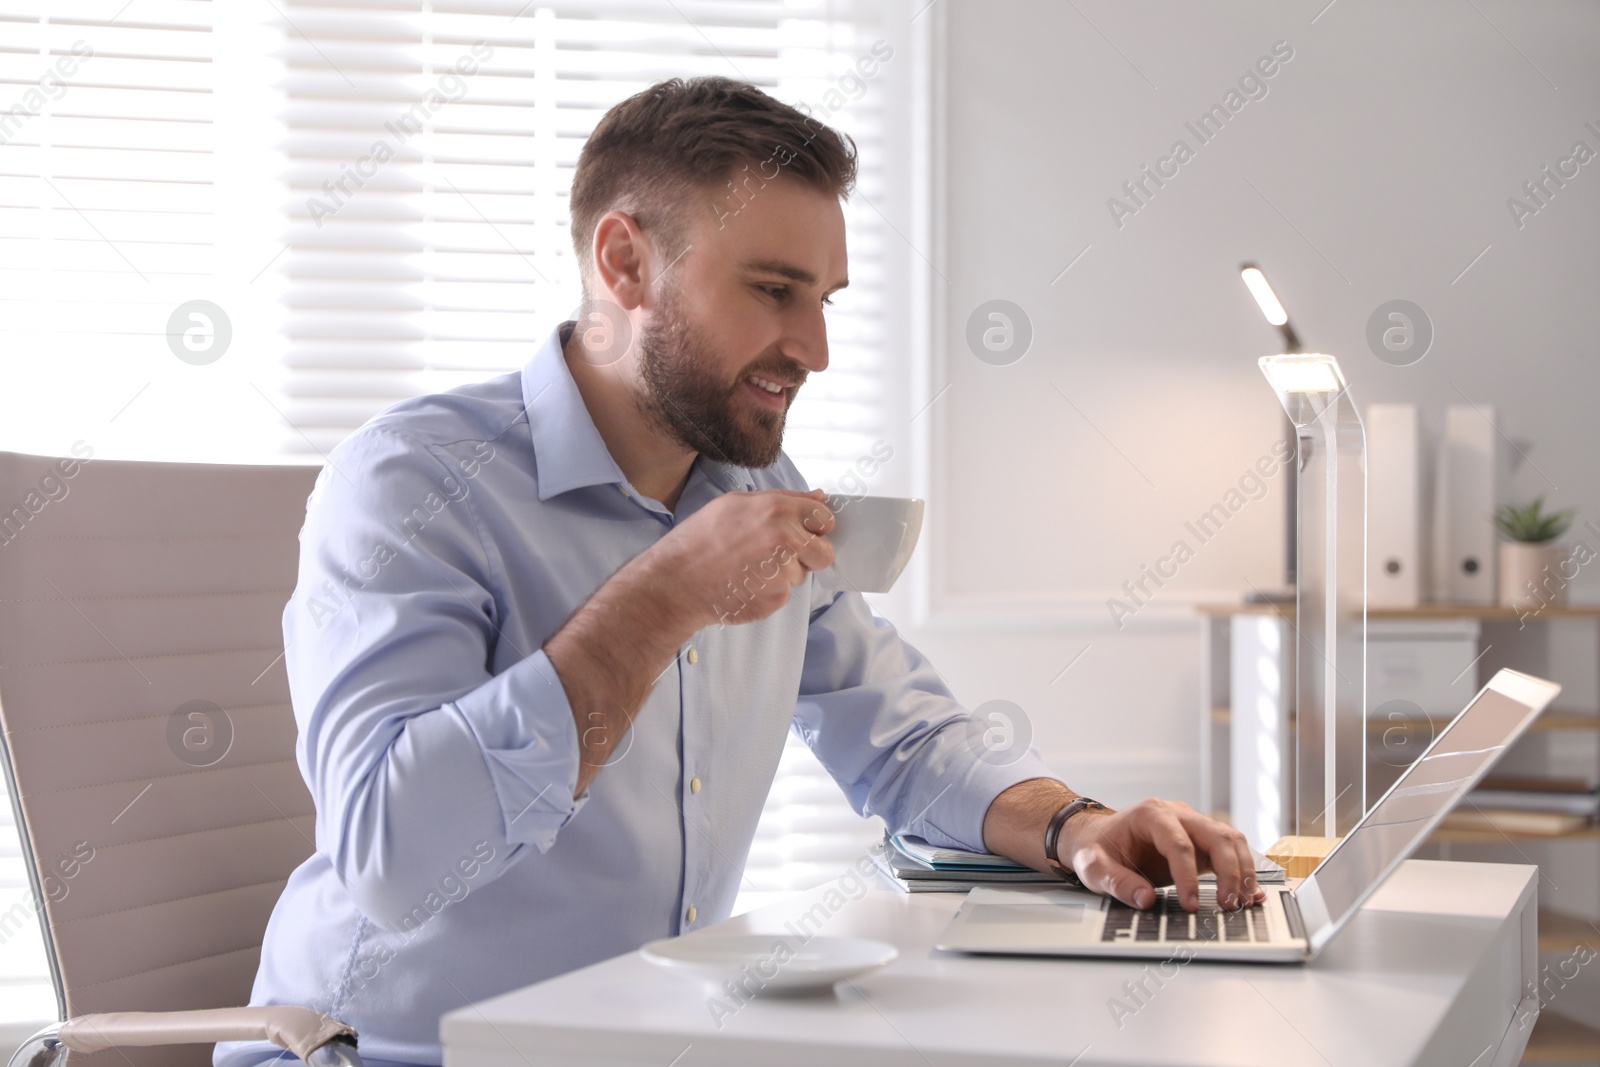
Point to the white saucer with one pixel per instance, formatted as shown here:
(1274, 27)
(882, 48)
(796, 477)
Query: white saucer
(770, 962)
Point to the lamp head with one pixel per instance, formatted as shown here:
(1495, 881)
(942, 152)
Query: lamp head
(1269, 303)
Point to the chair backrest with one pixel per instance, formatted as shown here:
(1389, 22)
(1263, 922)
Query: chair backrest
(148, 736)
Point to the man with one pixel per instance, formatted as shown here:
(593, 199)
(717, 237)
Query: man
(551, 630)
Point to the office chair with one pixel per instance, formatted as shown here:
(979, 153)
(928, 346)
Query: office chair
(149, 749)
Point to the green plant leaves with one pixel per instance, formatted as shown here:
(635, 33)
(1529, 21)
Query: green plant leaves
(1530, 523)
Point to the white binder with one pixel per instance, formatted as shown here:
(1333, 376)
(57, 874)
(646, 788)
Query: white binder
(1394, 532)
(1463, 522)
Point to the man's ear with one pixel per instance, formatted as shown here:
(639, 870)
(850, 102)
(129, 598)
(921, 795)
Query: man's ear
(624, 259)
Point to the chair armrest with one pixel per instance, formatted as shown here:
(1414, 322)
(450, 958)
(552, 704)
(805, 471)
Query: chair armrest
(316, 1038)
(43, 1049)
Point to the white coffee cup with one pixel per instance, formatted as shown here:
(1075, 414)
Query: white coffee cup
(873, 538)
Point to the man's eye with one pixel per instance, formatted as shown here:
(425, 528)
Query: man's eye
(777, 292)
(827, 301)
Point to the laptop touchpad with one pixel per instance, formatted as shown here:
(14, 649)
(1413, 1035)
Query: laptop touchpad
(1010, 906)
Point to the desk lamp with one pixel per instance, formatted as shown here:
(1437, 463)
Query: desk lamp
(1272, 308)
(1331, 588)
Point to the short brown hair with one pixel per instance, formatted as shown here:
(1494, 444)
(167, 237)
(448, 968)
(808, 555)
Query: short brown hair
(657, 148)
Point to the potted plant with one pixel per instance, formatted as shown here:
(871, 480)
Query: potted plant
(1530, 560)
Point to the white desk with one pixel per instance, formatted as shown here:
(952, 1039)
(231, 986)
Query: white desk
(1430, 972)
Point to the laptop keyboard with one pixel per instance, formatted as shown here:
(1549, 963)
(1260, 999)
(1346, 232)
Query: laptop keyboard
(1166, 921)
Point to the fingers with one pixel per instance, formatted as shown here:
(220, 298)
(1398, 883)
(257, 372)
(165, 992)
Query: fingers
(815, 515)
(1170, 838)
(807, 512)
(1098, 864)
(1156, 838)
(757, 547)
(808, 522)
(1126, 884)
(1224, 860)
(818, 519)
(1252, 892)
(1229, 856)
(814, 555)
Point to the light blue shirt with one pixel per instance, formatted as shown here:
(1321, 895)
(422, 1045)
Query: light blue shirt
(444, 543)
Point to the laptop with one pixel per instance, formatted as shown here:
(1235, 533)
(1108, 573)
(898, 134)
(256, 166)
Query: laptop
(1290, 925)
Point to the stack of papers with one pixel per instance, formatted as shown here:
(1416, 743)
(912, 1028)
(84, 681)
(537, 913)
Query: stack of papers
(918, 867)
(954, 859)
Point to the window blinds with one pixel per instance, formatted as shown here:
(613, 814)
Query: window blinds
(107, 132)
(106, 188)
(133, 182)
(430, 149)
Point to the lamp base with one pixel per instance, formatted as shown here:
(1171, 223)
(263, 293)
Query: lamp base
(1299, 856)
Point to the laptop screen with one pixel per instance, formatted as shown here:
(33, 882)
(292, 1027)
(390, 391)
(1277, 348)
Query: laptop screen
(1397, 825)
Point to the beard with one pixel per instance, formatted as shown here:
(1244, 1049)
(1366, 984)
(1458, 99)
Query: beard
(684, 395)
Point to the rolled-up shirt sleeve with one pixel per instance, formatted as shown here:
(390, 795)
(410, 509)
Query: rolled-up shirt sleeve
(413, 750)
(885, 726)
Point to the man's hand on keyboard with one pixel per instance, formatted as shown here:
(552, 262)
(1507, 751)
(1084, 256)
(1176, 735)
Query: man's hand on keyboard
(1127, 853)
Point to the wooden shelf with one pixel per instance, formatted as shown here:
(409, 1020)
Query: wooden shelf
(1489, 612)
(1566, 720)
(1553, 719)
(1550, 720)
(1560, 932)
(1537, 783)
(1558, 1039)
(1445, 836)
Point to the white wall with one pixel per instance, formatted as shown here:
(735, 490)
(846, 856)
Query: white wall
(1377, 166)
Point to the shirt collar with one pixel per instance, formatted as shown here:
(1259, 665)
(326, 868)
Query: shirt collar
(732, 479)
(567, 445)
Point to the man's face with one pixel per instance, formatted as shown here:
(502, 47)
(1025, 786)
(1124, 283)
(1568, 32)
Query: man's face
(737, 321)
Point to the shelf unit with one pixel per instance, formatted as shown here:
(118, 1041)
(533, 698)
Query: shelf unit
(1521, 641)
(1216, 684)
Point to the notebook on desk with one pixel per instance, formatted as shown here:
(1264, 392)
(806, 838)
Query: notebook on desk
(1290, 925)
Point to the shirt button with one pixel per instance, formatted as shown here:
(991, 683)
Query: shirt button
(690, 914)
(694, 785)
(694, 657)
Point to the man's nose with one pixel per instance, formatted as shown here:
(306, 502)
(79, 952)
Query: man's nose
(807, 344)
